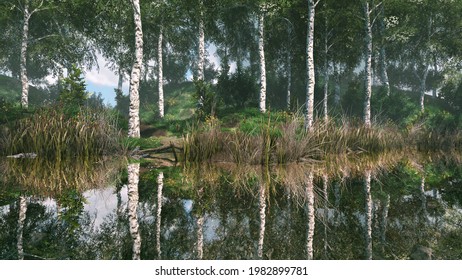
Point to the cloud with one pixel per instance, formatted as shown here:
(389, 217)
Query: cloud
(102, 77)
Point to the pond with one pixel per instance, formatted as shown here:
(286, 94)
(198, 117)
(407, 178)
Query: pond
(386, 207)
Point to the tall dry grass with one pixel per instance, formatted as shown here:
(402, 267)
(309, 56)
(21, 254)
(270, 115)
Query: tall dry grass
(286, 142)
(52, 134)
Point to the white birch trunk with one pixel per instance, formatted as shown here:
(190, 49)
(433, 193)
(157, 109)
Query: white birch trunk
(337, 84)
(384, 224)
(423, 87)
(23, 59)
(311, 217)
(201, 58)
(368, 64)
(160, 186)
(289, 78)
(200, 226)
(262, 208)
(133, 198)
(134, 109)
(261, 51)
(160, 73)
(382, 54)
(325, 192)
(309, 114)
(326, 71)
(21, 220)
(368, 206)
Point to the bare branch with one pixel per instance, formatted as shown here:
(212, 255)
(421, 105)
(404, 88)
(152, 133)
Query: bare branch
(316, 3)
(44, 37)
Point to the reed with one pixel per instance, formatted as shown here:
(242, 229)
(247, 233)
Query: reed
(52, 134)
(287, 141)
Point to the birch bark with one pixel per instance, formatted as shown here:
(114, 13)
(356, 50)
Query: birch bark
(160, 73)
(23, 59)
(134, 109)
(309, 114)
(261, 51)
(368, 64)
(133, 199)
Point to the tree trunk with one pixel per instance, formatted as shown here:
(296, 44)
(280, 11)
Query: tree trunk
(423, 87)
(309, 114)
(134, 109)
(200, 225)
(133, 198)
(261, 51)
(201, 58)
(160, 185)
(160, 73)
(262, 208)
(23, 59)
(382, 54)
(368, 206)
(368, 65)
(20, 232)
(289, 78)
(121, 80)
(311, 217)
(337, 85)
(326, 72)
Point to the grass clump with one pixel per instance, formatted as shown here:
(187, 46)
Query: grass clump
(284, 140)
(54, 134)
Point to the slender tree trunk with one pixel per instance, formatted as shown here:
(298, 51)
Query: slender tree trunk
(120, 80)
(337, 85)
(382, 54)
(261, 51)
(200, 225)
(160, 73)
(160, 185)
(368, 206)
(23, 60)
(20, 232)
(262, 208)
(325, 192)
(423, 88)
(384, 224)
(134, 109)
(289, 78)
(133, 199)
(309, 114)
(311, 217)
(326, 71)
(368, 65)
(201, 58)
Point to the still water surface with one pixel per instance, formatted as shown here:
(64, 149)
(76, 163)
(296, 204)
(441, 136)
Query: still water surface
(394, 209)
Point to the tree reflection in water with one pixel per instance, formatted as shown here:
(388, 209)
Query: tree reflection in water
(133, 199)
(232, 212)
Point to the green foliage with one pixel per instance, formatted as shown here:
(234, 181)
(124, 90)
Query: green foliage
(237, 90)
(207, 99)
(73, 93)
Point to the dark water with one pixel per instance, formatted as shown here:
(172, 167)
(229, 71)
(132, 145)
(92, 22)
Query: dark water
(399, 210)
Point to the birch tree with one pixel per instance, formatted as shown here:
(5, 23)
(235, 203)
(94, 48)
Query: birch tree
(134, 109)
(309, 105)
(261, 53)
(132, 205)
(368, 62)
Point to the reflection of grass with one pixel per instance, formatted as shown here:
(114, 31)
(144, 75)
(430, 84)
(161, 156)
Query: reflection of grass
(50, 178)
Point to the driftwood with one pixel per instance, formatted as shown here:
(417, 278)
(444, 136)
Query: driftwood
(23, 155)
(154, 153)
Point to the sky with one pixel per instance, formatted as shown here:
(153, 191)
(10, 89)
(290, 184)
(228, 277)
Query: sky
(104, 81)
